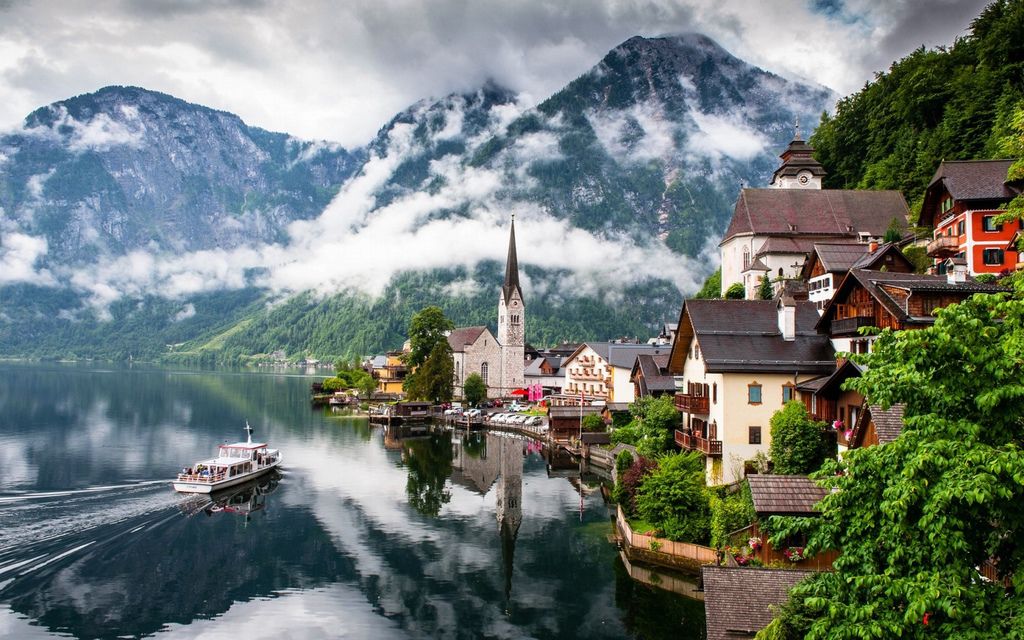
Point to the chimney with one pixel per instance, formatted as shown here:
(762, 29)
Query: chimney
(873, 246)
(787, 318)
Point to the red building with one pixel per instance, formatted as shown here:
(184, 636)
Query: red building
(961, 205)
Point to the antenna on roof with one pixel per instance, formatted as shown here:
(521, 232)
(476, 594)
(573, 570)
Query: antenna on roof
(248, 431)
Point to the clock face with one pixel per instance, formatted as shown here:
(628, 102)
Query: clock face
(804, 179)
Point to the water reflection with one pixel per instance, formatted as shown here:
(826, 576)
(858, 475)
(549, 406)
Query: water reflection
(241, 500)
(418, 532)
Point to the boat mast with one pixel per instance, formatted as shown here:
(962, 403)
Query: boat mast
(248, 431)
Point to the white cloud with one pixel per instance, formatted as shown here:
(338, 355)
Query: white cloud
(328, 71)
(19, 254)
(715, 136)
(185, 313)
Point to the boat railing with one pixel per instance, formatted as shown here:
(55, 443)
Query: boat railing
(195, 477)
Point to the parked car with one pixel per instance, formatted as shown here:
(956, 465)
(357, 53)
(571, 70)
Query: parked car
(453, 412)
(473, 413)
(515, 406)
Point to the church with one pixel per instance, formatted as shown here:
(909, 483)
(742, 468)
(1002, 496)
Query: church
(774, 229)
(499, 361)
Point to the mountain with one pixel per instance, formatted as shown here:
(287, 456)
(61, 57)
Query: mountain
(123, 169)
(174, 230)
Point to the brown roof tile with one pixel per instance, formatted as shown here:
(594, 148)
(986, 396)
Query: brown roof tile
(459, 338)
(737, 600)
(815, 212)
(888, 422)
(974, 179)
(784, 495)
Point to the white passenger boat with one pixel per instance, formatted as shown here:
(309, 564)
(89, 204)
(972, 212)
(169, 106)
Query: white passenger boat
(234, 464)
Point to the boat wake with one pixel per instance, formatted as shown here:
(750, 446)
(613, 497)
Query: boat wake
(38, 530)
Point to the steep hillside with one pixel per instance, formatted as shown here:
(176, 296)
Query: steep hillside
(948, 103)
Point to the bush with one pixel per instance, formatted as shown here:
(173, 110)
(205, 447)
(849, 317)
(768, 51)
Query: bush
(623, 462)
(986, 277)
(330, 385)
(735, 292)
(625, 490)
(593, 423)
(674, 498)
(729, 512)
(798, 443)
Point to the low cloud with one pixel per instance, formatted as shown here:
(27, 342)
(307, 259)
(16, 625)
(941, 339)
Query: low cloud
(715, 136)
(19, 257)
(358, 245)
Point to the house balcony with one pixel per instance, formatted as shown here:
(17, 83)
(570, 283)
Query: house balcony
(944, 247)
(584, 374)
(691, 404)
(850, 325)
(693, 442)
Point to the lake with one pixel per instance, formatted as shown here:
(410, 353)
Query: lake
(365, 532)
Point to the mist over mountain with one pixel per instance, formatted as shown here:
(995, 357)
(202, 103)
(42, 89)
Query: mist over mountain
(137, 223)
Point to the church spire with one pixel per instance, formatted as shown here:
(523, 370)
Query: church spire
(511, 266)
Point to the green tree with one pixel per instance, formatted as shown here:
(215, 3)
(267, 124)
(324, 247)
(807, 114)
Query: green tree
(1013, 147)
(735, 291)
(730, 510)
(673, 498)
(332, 384)
(654, 420)
(474, 389)
(797, 441)
(432, 380)
(764, 289)
(917, 517)
(427, 329)
(894, 232)
(712, 288)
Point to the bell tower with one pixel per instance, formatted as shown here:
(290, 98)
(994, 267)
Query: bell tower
(511, 322)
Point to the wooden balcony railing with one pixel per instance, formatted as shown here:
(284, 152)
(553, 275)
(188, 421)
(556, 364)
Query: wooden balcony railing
(691, 403)
(943, 246)
(693, 442)
(850, 325)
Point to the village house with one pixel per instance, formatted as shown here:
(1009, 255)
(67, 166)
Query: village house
(390, 372)
(773, 230)
(736, 363)
(882, 299)
(546, 371)
(601, 370)
(738, 601)
(651, 377)
(877, 426)
(830, 262)
(961, 205)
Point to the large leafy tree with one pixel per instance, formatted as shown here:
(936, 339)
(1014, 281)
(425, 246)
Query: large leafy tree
(798, 445)
(916, 518)
(427, 329)
(430, 357)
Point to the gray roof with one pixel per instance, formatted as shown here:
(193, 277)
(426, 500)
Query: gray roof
(737, 600)
(974, 179)
(571, 411)
(888, 423)
(823, 213)
(459, 338)
(744, 336)
(784, 495)
(624, 355)
(839, 258)
(654, 369)
(533, 369)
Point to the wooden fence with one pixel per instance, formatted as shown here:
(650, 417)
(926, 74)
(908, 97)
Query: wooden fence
(655, 550)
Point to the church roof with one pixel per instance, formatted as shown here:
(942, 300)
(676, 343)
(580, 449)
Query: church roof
(511, 268)
(819, 213)
(459, 338)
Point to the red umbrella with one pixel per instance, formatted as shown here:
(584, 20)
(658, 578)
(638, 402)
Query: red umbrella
(520, 392)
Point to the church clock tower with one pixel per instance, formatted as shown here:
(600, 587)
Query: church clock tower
(511, 320)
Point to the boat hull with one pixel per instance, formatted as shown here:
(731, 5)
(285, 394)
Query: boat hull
(211, 487)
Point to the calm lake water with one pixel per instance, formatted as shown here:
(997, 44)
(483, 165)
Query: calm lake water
(365, 534)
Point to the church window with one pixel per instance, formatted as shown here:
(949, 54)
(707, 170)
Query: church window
(483, 371)
(746, 258)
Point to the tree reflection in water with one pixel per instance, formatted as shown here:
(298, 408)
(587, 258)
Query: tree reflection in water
(429, 460)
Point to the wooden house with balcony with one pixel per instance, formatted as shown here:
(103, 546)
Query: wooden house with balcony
(830, 262)
(390, 372)
(961, 205)
(890, 300)
(826, 400)
(793, 496)
(736, 362)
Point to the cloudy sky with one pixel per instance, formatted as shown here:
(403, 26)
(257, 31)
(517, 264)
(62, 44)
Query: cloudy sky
(339, 70)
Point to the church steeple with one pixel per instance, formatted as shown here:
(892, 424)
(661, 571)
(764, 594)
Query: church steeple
(511, 266)
(799, 169)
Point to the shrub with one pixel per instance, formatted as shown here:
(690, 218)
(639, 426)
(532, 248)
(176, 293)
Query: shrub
(729, 512)
(593, 423)
(735, 292)
(630, 481)
(674, 498)
(798, 444)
